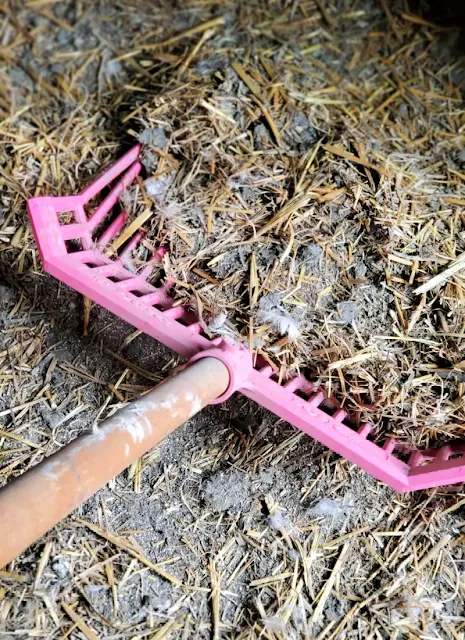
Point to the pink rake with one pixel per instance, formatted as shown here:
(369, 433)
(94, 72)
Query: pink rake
(150, 308)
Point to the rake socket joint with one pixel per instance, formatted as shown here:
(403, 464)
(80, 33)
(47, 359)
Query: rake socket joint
(236, 358)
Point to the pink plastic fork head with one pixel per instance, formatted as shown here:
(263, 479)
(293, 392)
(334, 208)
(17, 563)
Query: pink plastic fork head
(72, 242)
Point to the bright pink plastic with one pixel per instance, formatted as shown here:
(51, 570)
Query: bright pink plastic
(72, 242)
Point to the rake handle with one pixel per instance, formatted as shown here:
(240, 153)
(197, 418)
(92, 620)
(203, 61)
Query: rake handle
(36, 501)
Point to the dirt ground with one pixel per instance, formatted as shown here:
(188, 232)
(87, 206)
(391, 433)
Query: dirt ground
(237, 526)
(235, 497)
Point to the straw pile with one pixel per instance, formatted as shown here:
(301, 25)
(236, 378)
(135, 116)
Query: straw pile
(309, 185)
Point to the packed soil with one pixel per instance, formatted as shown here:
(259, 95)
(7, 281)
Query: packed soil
(304, 167)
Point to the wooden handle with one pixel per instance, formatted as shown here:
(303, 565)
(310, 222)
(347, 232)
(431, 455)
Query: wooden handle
(34, 502)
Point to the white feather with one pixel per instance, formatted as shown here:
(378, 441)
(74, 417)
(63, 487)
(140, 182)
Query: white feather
(271, 311)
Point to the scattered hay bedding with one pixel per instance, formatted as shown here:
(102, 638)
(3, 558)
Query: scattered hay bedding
(305, 172)
(304, 198)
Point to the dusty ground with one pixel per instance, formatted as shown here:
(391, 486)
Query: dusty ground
(234, 496)
(237, 526)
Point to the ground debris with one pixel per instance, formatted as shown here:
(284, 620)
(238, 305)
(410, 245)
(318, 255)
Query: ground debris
(303, 165)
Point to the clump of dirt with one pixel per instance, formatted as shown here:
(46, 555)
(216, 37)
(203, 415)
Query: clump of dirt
(227, 492)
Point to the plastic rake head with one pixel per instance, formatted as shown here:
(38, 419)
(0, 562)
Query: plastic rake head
(72, 240)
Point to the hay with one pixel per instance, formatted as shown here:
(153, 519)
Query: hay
(308, 196)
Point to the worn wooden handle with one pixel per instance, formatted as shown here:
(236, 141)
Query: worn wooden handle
(34, 502)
